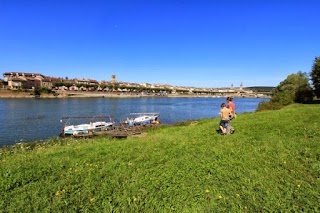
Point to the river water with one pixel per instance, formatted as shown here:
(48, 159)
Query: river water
(24, 120)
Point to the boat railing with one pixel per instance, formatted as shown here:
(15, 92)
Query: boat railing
(145, 113)
(67, 120)
(153, 116)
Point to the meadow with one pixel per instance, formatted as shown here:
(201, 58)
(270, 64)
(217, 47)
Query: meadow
(270, 164)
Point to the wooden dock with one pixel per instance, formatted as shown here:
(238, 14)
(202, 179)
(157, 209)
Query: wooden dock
(122, 131)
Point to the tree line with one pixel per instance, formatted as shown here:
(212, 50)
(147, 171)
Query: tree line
(300, 87)
(138, 89)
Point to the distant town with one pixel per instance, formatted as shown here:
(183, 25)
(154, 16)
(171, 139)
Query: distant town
(20, 81)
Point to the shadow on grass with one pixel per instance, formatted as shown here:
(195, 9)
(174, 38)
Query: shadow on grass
(316, 102)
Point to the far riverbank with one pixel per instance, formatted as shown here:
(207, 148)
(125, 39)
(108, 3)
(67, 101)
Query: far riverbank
(94, 94)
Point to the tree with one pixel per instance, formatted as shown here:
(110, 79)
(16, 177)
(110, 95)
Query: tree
(315, 76)
(294, 89)
(37, 91)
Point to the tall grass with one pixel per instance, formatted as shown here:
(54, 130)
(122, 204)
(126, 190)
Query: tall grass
(270, 164)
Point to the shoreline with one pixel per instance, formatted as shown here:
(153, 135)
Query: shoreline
(70, 94)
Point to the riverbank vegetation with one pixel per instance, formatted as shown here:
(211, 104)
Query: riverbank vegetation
(38, 91)
(296, 88)
(271, 163)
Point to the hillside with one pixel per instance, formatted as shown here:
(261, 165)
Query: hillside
(261, 88)
(271, 163)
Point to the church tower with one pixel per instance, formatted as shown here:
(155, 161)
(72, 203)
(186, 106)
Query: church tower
(113, 79)
(241, 86)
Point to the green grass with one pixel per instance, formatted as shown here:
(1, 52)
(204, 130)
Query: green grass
(270, 164)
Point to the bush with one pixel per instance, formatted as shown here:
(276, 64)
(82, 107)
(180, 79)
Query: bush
(294, 89)
(304, 94)
(268, 106)
(43, 90)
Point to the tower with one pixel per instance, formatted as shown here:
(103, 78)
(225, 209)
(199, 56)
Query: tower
(113, 79)
(241, 86)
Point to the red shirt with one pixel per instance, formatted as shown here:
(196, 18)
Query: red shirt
(231, 106)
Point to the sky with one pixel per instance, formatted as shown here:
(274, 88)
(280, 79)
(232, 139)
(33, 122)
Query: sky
(194, 43)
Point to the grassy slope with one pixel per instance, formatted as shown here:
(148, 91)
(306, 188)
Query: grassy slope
(271, 163)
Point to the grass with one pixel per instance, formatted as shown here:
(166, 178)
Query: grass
(271, 164)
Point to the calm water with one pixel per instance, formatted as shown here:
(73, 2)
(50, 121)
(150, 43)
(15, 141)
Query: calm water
(23, 120)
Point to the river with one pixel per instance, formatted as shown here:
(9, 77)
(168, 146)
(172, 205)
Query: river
(25, 120)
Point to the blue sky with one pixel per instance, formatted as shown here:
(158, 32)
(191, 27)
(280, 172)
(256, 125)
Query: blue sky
(183, 43)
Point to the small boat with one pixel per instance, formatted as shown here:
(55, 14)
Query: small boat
(144, 118)
(86, 128)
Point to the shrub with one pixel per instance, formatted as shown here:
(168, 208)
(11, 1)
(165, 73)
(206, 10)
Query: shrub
(265, 105)
(294, 89)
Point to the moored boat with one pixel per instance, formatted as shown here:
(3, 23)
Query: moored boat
(86, 128)
(144, 118)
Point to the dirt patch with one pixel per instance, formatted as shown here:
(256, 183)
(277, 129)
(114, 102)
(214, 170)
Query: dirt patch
(11, 94)
(141, 135)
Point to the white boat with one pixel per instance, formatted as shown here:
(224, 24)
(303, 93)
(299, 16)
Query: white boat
(144, 118)
(85, 128)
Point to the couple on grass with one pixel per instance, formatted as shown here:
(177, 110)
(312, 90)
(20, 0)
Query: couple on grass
(227, 113)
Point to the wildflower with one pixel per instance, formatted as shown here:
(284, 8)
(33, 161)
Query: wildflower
(207, 191)
(59, 192)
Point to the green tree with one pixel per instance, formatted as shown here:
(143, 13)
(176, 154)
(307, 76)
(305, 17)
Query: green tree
(294, 89)
(315, 76)
(37, 91)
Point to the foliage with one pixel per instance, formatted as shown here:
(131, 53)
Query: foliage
(294, 89)
(266, 166)
(315, 76)
(182, 91)
(261, 89)
(114, 87)
(39, 90)
(59, 84)
(267, 105)
(286, 92)
(304, 94)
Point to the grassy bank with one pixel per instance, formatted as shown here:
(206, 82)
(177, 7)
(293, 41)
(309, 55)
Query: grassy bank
(271, 163)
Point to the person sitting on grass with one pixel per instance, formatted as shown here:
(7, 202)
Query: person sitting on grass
(224, 115)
